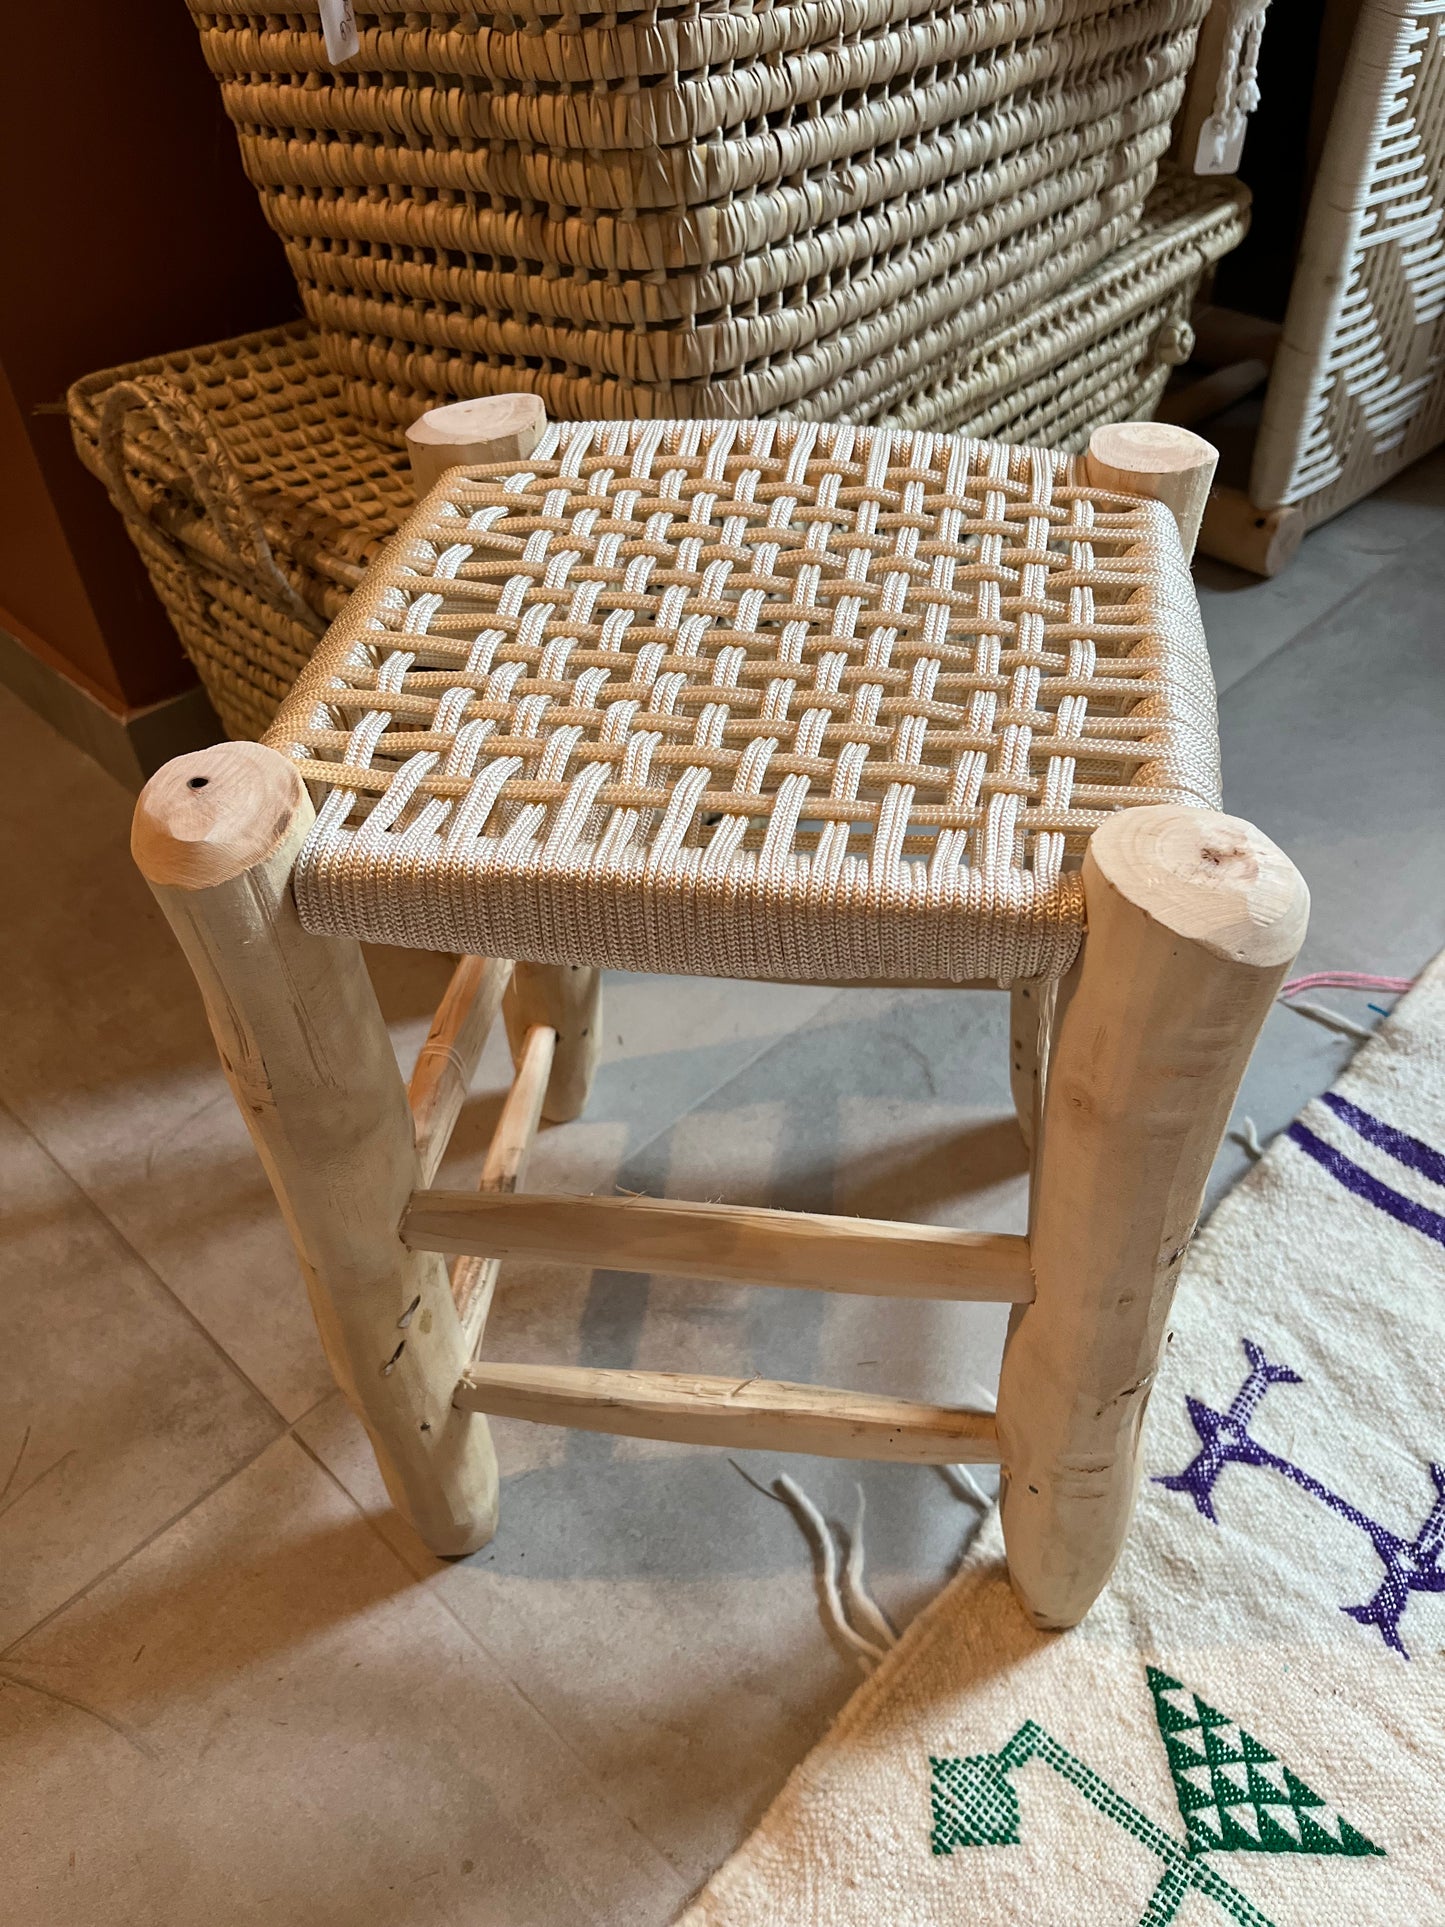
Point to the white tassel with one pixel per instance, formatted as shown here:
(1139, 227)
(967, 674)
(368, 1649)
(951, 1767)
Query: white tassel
(1331, 1019)
(962, 1481)
(826, 1554)
(861, 1604)
(825, 1564)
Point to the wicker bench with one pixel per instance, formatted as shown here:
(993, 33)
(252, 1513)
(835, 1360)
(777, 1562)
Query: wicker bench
(754, 700)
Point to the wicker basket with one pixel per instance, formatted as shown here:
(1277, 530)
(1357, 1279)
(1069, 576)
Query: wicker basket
(687, 210)
(257, 500)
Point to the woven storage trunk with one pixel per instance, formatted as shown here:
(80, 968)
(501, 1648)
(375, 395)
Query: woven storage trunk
(257, 500)
(1357, 391)
(691, 210)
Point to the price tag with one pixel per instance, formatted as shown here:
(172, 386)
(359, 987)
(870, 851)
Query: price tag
(338, 25)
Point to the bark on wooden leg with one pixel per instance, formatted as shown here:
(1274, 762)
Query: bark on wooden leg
(1028, 1008)
(568, 999)
(1193, 919)
(310, 1064)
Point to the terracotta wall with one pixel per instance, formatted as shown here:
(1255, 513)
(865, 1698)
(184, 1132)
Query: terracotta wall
(126, 228)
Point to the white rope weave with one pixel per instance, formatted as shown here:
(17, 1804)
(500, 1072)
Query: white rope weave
(750, 699)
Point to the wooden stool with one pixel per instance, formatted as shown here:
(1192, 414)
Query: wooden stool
(768, 700)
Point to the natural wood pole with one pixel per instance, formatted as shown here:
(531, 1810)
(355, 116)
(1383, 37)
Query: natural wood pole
(1166, 464)
(474, 1278)
(1193, 919)
(750, 1415)
(494, 428)
(310, 1064)
(447, 1060)
(566, 998)
(800, 1250)
(1028, 1006)
(1198, 401)
(1263, 541)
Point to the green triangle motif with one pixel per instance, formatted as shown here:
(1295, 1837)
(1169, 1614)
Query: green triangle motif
(1236, 1796)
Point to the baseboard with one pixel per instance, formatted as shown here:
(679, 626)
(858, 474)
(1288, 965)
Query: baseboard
(129, 744)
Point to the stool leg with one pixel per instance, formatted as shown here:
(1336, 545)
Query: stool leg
(1029, 1004)
(1193, 919)
(568, 999)
(311, 1067)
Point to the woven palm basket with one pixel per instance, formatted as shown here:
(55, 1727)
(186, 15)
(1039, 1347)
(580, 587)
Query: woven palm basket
(690, 210)
(1357, 390)
(256, 499)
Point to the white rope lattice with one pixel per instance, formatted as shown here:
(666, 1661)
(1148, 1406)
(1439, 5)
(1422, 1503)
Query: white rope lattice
(1357, 391)
(750, 699)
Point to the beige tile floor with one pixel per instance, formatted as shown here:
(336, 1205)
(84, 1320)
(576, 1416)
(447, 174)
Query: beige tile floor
(233, 1687)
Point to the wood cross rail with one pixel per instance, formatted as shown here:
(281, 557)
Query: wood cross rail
(740, 1243)
(757, 1414)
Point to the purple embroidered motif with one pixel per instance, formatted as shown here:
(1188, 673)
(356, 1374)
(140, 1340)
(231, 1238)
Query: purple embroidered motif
(1411, 1565)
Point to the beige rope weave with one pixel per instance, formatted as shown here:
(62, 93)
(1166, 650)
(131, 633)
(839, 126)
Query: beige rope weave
(690, 210)
(1357, 391)
(760, 699)
(327, 490)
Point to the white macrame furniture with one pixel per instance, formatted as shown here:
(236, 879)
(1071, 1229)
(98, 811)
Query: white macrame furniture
(1357, 390)
(765, 700)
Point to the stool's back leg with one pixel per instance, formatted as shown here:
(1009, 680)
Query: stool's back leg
(310, 1064)
(568, 999)
(1193, 919)
(1029, 1007)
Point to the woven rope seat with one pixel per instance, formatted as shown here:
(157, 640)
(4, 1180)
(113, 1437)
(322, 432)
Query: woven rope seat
(757, 700)
(692, 210)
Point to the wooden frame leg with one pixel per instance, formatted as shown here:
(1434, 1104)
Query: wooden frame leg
(1193, 919)
(310, 1064)
(1028, 1011)
(565, 998)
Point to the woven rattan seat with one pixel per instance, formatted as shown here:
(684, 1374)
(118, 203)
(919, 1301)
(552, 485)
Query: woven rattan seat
(763, 699)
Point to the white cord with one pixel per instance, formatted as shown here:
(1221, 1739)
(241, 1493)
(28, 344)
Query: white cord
(826, 1565)
(1331, 1019)
(861, 1603)
(962, 1481)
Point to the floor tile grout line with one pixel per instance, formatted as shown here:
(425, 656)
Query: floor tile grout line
(175, 1519)
(504, 1672)
(164, 1284)
(140, 1546)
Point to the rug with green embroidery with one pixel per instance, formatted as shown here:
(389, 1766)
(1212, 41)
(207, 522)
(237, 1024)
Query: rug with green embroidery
(1250, 1725)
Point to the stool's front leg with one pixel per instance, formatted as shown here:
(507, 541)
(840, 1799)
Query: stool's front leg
(1193, 919)
(311, 1066)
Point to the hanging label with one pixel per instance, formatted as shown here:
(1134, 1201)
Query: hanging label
(338, 26)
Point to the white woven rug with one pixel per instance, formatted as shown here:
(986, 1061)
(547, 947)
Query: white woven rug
(1250, 1726)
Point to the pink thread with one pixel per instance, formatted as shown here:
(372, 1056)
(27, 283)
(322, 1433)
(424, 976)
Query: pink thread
(1344, 980)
